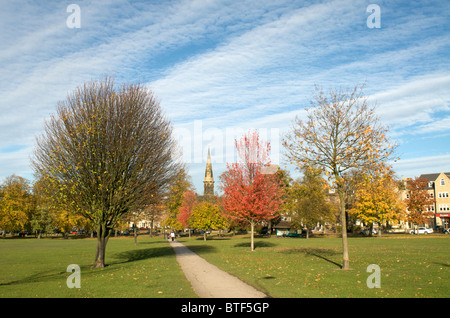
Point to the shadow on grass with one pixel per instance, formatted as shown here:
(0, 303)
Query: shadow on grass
(442, 264)
(142, 254)
(268, 277)
(38, 277)
(148, 253)
(208, 238)
(200, 249)
(256, 244)
(322, 253)
(150, 242)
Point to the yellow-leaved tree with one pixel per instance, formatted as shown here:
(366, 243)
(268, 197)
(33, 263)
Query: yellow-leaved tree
(207, 216)
(378, 200)
(16, 204)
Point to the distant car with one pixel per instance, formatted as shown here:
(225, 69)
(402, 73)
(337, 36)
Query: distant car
(447, 231)
(264, 231)
(367, 232)
(293, 235)
(421, 230)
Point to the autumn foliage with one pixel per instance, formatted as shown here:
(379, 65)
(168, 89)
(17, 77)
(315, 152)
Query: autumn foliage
(419, 201)
(190, 200)
(105, 153)
(341, 132)
(378, 200)
(207, 216)
(249, 194)
(16, 203)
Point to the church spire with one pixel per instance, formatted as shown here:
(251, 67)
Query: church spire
(208, 183)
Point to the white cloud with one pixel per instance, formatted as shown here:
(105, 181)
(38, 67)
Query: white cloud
(414, 102)
(16, 162)
(253, 65)
(414, 167)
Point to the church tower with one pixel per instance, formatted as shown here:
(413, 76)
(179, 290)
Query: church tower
(208, 183)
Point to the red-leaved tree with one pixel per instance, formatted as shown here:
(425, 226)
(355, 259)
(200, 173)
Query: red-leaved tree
(249, 194)
(419, 201)
(190, 200)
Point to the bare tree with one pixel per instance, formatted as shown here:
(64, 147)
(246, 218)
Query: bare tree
(105, 153)
(341, 132)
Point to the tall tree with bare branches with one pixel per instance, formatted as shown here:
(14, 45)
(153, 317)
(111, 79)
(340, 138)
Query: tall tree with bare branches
(106, 152)
(341, 132)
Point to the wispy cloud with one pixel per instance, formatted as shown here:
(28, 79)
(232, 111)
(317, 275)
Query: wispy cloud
(414, 167)
(414, 102)
(229, 64)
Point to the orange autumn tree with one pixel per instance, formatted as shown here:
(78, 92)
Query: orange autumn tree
(250, 195)
(341, 132)
(419, 201)
(190, 200)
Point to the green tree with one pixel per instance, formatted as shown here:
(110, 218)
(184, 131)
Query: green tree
(175, 197)
(51, 214)
(105, 153)
(308, 201)
(43, 219)
(207, 216)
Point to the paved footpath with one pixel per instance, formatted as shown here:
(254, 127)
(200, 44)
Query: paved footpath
(208, 281)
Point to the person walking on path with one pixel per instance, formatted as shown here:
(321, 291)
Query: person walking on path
(208, 281)
(172, 235)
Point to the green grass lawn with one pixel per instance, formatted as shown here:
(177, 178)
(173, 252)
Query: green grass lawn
(37, 268)
(411, 266)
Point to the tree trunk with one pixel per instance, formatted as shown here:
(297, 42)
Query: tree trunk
(345, 258)
(252, 243)
(102, 239)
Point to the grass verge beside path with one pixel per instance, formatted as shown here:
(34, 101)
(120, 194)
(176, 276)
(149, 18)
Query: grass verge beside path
(37, 268)
(411, 266)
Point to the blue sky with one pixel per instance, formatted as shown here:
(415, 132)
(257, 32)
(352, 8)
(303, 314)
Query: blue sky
(220, 68)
